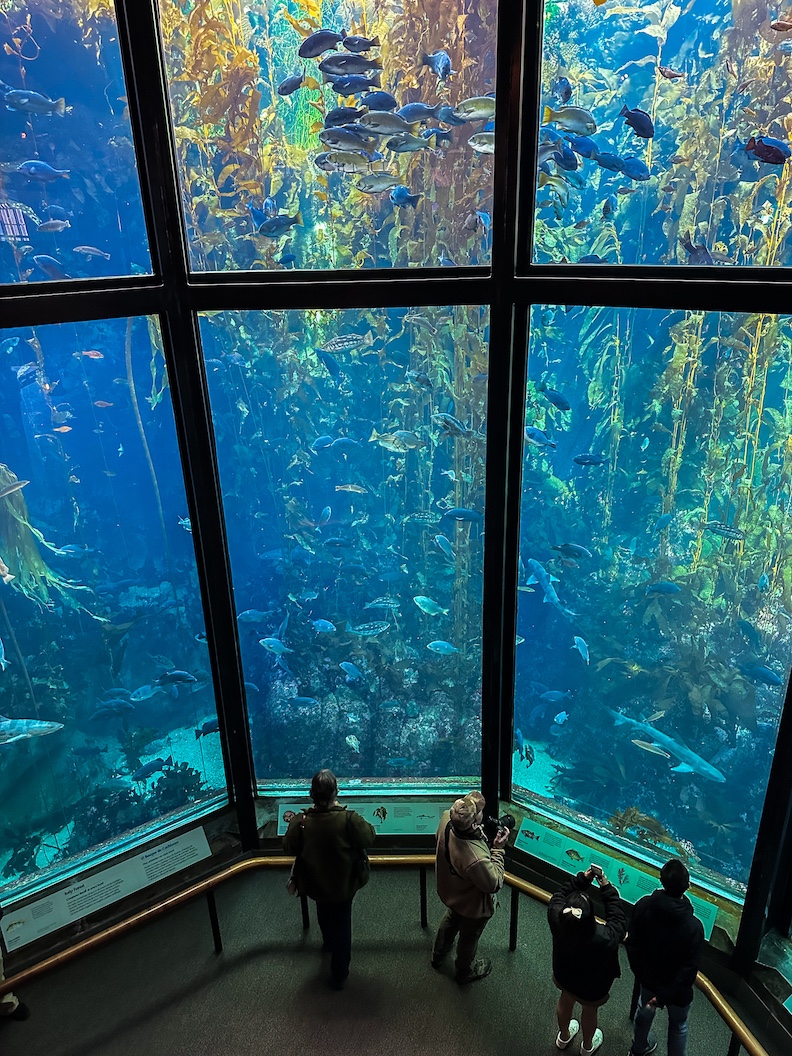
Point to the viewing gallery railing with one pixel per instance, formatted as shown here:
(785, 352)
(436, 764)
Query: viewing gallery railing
(741, 1035)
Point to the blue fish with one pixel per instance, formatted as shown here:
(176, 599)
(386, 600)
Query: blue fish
(317, 43)
(538, 437)
(289, 85)
(663, 522)
(330, 363)
(588, 458)
(583, 146)
(51, 267)
(611, 162)
(448, 115)
(764, 583)
(635, 169)
(354, 84)
(418, 112)
(401, 196)
(323, 626)
(383, 101)
(439, 62)
(353, 674)
(663, 587)
(591, 258)
(760, 673)
(639, 121)
(460, 513)
(210, 726)
(344, 115)
(41, 171)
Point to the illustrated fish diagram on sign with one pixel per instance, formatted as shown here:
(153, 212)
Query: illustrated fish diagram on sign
(338, 136)
(555, 848)
(391, 816)
(664, 136)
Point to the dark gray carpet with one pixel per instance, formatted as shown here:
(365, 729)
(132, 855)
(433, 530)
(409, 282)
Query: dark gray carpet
(163, 991)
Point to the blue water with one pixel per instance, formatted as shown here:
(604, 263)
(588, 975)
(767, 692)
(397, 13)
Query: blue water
(665, 636)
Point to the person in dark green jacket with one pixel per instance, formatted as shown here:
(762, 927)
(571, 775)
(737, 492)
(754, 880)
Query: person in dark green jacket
(330, 841)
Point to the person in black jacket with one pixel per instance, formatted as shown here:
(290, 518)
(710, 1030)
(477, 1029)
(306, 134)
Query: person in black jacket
(330, 841)
(585, 954)
(664, 947)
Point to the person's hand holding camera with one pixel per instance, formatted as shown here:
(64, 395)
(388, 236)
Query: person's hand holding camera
(500, 839)
(594, 872)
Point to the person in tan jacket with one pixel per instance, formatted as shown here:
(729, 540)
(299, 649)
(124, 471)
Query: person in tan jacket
(469, 874)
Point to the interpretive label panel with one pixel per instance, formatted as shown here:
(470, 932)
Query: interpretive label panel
(30, 922)
(392, 817)
(554, 847)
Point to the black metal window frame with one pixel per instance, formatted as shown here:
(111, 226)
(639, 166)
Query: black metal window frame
(509, 287)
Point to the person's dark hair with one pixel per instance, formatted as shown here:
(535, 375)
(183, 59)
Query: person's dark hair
(675, 878)
(324, 788)
(576, 924)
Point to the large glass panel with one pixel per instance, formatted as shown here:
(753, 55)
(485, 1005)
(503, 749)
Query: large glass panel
(352, 453)
(655, 581)
(70, 202)
(664, 135)
(108, 716)
(352, 134)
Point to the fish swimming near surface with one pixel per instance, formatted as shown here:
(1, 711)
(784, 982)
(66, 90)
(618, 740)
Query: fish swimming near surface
(12, 730)
(689, 761)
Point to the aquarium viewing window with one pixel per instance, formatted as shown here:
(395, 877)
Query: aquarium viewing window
(661, 143)
(108, 715)
(70, 205)
(352, 455)
(259, 460)
(312, 135)
(655, 578)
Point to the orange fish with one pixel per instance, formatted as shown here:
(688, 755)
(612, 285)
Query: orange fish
(62, 429)
(102, 404)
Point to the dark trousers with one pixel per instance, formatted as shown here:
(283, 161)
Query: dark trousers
(469, 930)
(335, 922)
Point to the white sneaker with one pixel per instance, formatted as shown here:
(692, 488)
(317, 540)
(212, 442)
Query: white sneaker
(596, 1041)
(574, 1027)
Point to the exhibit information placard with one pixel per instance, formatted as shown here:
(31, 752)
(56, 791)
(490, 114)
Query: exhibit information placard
(30, 922)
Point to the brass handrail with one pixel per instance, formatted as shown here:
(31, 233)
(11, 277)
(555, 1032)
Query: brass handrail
(202, 887)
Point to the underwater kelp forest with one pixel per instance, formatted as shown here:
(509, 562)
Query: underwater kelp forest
(665, 134)
(655, 589)
(70, 203)
(352, 455)
(107, 718)
(340, 134)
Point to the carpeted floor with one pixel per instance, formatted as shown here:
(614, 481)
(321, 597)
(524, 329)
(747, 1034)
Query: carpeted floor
(163, 991)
